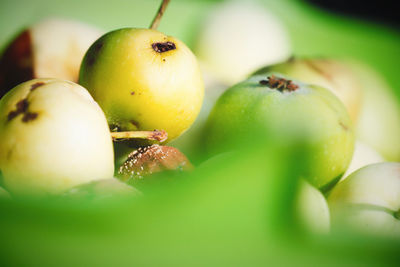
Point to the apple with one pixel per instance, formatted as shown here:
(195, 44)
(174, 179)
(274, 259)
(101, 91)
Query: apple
(312, 209)
(369, 200)
(144, 80)
(332, 74)
(50, 48)
(379, 119)
(293, 111)
(54, 136)
(239, 37)
(363, 155)
(147, 160)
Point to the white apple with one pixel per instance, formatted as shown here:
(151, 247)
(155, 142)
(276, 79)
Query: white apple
(363, 155)
(50, 48)
(238, 38)
(54, 136)
(369, 200)
(312, 209)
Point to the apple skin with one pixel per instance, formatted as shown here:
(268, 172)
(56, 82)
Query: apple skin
(310, 114)
(50, 48)
(239, 37)
(379, 121)
(139, 88)
(312, 209)
(369, 199)
(57, 139)
(331, 74)
(363, 155)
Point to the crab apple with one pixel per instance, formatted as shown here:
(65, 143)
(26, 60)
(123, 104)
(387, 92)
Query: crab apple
(295, 112)
(369, 200)
(50, 48)
(239, 37)
(144, 80)
(331, 74)
(54, 136)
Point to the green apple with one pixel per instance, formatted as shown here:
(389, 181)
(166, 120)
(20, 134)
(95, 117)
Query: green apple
(239, 37)
(50, 48)
(293, 111)
(363, 155)
(379, 122)
(369, 200)
(53, 136)
(312, 209)
(144, 80)
(329, 73)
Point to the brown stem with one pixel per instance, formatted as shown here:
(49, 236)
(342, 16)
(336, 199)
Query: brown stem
(155, 135)
(157, 18)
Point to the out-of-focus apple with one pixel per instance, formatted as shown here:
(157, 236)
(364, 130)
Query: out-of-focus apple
(369, 200)
(54, 136)
(379, 120)
(239, 37)
(363, 155)
(312, 209)
(52, 48)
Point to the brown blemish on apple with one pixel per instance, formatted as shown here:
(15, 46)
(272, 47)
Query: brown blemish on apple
(91, 57)
(36, 85)
(280, 84)
(163, 47)
(344, 126)
(16, 64)
(134, 123)
(132, 93)
(30, 116)
(22, 108)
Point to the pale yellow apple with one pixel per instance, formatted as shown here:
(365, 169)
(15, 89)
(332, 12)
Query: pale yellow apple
(369, 200)
(54, 136)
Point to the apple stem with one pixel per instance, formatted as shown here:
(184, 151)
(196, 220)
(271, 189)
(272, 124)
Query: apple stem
(157, 18)
(155, 135)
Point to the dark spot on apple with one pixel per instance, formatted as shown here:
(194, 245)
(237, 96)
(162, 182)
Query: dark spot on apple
(163, 59)
(30, 116)
(132, 93)
(36, 85)
(163, 47)
(134, 123)
(20, 108)
(264, 82)
(344, 126)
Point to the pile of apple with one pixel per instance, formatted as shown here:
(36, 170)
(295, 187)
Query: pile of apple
(67, 93)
